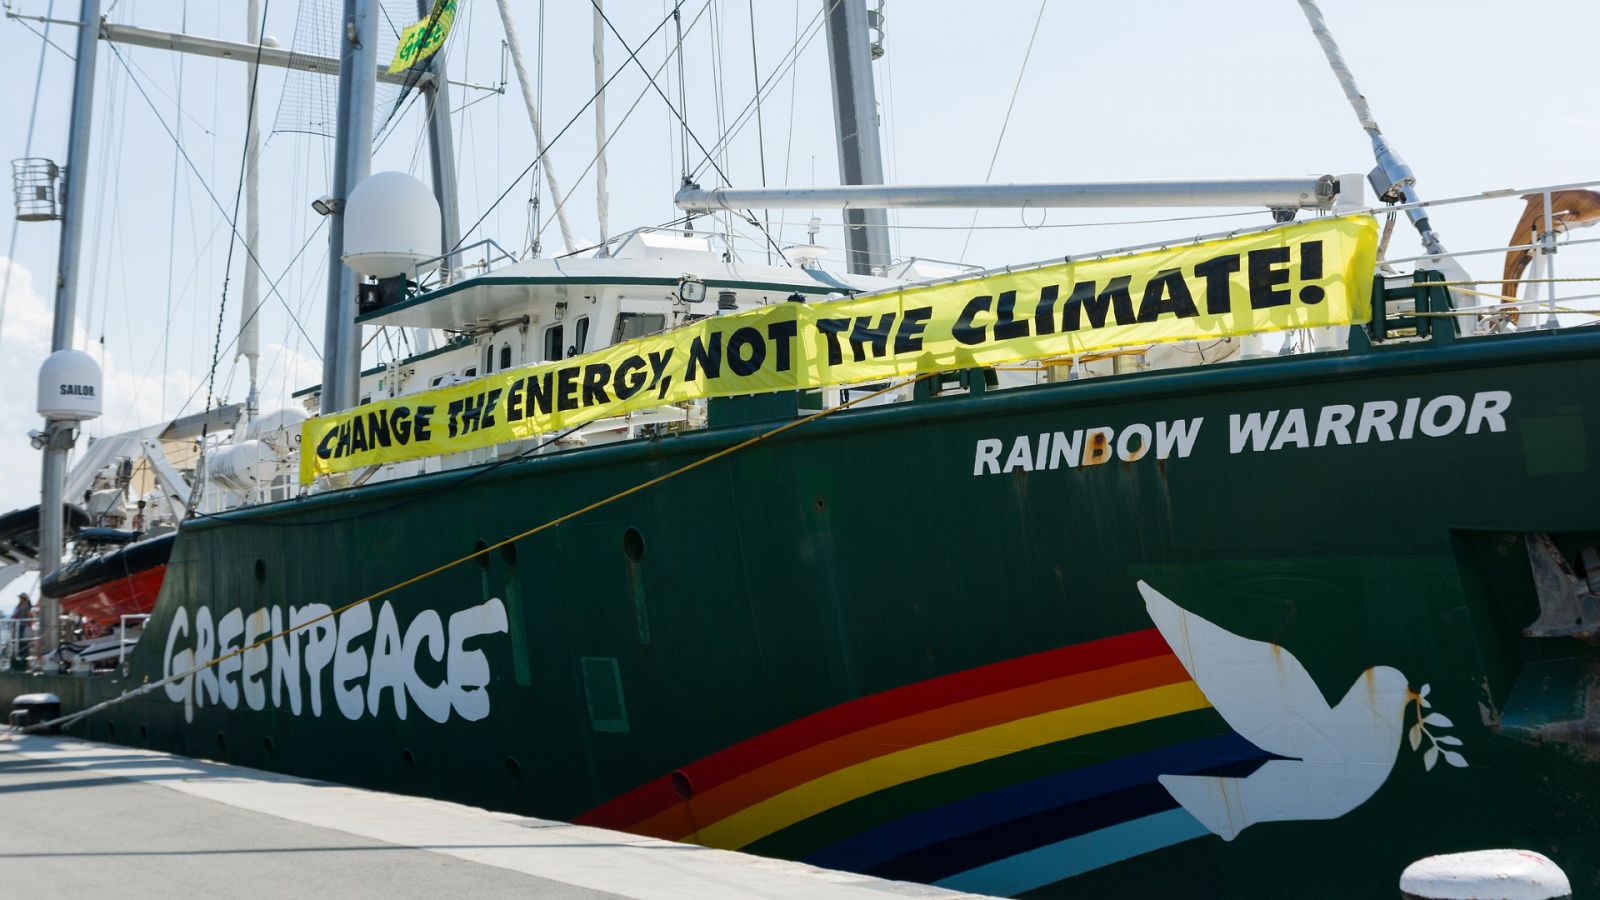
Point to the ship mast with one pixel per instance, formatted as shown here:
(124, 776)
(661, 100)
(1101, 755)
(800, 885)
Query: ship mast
(250, 306)
(442, 159)
(855, 116)
(358, 72)
(352, 162)
(60, 433)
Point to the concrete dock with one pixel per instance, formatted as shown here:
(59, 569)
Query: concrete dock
(78, 816)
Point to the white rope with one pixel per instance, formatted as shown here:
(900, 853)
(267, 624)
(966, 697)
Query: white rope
(601, 199)
(1341, 70)
(515, 47)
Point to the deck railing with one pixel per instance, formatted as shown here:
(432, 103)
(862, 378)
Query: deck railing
(18, 642)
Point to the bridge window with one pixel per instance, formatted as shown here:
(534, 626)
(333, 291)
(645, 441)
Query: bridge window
(552, 343)
(580, 334)
(505, 356)
(632, 324)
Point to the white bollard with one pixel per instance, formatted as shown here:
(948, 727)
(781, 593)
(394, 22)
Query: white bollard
(1485, 875)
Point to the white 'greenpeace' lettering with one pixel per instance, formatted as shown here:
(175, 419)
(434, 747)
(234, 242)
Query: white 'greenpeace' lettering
(363, 680)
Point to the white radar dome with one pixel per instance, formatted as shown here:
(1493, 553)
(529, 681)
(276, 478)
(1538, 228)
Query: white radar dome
(69, 386)
(391, 224)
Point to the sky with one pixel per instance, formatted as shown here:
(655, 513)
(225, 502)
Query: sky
(1111, 91)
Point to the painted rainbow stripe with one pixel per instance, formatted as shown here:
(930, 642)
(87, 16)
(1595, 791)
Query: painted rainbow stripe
(965, 780)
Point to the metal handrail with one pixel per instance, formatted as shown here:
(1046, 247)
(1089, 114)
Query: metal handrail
(1498, 194)
(459, 251)
(1544, 246)
(1484, 252)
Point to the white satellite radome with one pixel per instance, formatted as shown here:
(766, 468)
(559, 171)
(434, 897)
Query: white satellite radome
(69, 386)
(391, 224)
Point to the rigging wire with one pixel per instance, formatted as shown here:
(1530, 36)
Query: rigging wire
(534, 117)
(109, 251)
(633, 57)
(227, 269)
(602, 201)
(891, 131)
(46, 38)
(172, 216)
(788, 146)
(33, 116)
(273, 285)
(643, 92)
(790, 59)
(1000, 139)
(683, 95)
(196, 170)
(155, 85)
(718, 91)
(541, 154)
(536, 186)
(674, 177)
(761, 131)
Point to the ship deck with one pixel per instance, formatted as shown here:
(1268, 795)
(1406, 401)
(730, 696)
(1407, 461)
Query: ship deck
(144, 824)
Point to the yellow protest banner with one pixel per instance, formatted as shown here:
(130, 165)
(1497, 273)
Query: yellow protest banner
(422, 39)
(1307, 275)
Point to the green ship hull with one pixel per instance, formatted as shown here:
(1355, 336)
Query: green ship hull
(1253, 630)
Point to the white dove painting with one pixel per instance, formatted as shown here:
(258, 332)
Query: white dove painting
(1334, 757)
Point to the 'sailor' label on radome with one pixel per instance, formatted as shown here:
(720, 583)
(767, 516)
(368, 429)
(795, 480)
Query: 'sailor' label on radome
(294, 670)
(1255, 432)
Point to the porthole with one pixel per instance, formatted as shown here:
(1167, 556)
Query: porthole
(633, 545)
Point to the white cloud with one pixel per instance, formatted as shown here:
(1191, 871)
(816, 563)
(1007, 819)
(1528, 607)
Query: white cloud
(285, 370)
(24, 344)
(131, 398)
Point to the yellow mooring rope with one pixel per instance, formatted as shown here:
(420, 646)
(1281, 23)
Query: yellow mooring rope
(559, 520)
